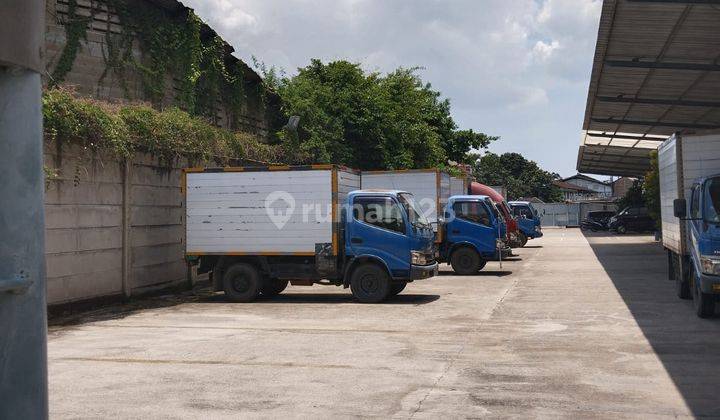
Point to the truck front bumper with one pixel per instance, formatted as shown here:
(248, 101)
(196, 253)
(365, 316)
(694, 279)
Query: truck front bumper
(419, 272)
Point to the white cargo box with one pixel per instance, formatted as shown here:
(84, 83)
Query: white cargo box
(682, 159)
(273, 210)
(458, 185)
(430, 187)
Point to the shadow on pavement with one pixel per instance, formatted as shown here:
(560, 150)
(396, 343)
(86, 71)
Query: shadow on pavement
(689, 347)
(295, 298)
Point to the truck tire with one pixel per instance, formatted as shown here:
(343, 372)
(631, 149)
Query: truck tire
(370, 283)
(273, 287)
(396, 288)
(682, 285)
(704, 303)
(466, 261)
(522, 239)
(241, 282)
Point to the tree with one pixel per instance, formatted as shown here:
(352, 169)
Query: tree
(463, 141)
(369, 120)
(633, 197)
(651, 188)
(521, 177)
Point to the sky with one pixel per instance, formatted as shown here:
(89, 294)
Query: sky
(518, 69)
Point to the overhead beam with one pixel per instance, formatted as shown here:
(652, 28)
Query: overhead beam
(625, 137)
(676, 1)
(663, 65)
(654, 123)
(657, 101)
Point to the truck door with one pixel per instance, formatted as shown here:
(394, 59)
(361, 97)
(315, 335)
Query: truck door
(472, 223)
(379, 228)
(693, 224)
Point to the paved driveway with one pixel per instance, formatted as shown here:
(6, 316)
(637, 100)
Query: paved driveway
(574, 327)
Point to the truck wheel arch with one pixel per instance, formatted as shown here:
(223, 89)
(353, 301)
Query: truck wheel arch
(359, 260)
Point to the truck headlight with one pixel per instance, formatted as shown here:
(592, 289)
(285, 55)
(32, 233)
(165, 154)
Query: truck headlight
(710, 265)
(417, 258)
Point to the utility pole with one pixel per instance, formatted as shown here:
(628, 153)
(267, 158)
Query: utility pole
(23, 319)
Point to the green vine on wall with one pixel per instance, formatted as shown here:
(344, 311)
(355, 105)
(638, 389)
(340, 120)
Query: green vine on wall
(174, 46)
(75, 30)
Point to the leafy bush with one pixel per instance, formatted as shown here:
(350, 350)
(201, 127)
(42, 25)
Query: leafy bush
(170, 134)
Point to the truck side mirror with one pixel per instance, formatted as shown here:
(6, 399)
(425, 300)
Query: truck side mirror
(680, 208)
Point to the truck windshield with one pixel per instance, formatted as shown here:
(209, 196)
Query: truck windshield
(493, 209)
(712, 200)
(415, 215)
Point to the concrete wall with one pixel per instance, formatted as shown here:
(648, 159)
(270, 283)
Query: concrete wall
(100, 227)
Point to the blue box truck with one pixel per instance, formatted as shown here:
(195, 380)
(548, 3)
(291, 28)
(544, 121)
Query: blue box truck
(689, 167)
(528, 221)
(257, 228)
(469, 229)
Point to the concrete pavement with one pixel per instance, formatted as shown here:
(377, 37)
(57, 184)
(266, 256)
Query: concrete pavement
(575, 327)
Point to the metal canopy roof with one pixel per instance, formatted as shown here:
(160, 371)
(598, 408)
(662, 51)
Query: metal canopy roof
(656, 71)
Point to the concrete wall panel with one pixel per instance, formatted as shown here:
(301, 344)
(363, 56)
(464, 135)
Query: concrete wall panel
(84, 226)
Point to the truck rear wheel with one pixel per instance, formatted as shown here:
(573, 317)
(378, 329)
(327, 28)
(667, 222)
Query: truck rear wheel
(241, 282)
(466, 261)
(370, 283)
(682, 285)
(273, 287)
(704, 303)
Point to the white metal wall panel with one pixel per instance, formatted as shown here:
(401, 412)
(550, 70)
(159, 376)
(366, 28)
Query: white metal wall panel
(558, 214)
(422, 185)
(229, 212)
(667, 164)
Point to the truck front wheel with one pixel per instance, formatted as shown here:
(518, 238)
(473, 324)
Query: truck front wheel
(704, 303)
(522, 239)
(370, 283)
(466, 261)
(241, 282)
(396, 288)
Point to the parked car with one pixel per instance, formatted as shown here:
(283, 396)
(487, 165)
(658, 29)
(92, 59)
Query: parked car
(597, 220)
(632, 219)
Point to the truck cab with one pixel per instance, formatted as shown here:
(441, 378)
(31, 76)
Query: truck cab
(528, 221)
(474, 233)
(386, 229)
(701, 216)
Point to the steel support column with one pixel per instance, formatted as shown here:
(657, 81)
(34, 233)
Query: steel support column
(23, 320)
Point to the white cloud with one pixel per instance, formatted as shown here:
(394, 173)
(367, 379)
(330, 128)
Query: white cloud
(518, 69)
(542, 50)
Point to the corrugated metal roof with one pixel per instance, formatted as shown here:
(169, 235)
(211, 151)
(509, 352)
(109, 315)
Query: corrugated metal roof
(656, 71)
